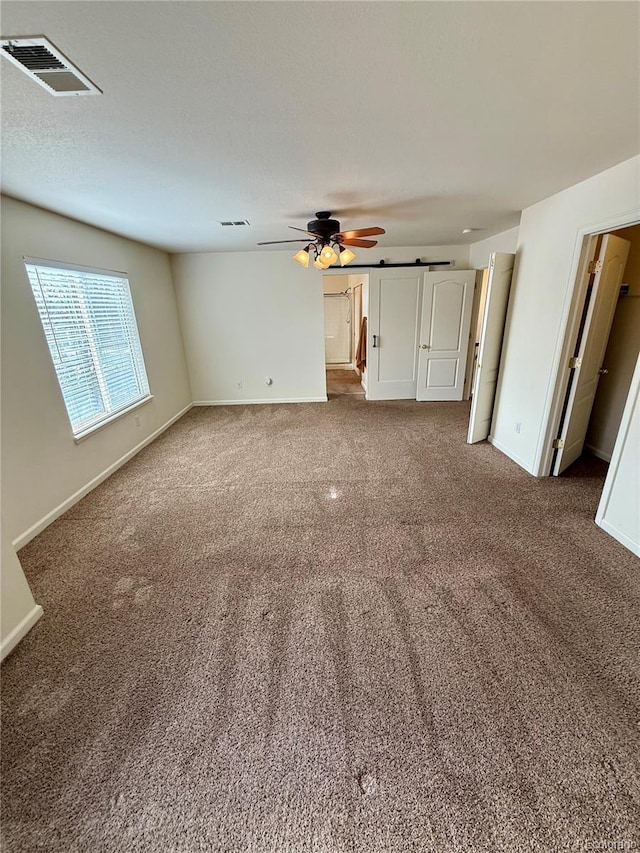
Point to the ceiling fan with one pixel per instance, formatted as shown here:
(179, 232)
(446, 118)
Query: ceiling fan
(329, 243)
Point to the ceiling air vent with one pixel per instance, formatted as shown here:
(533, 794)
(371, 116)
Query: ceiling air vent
(234, 222)
(42, 61)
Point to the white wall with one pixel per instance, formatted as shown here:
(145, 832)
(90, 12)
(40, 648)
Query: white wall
(620, 357)
(335, 283)
(479, 252)
(246, 316)
(549, 245)
(42, 466)
(619, 510)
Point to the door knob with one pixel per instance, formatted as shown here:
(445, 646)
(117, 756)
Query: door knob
(424, 346)
(602, 371)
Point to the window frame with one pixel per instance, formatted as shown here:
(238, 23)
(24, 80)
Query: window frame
(113, 414)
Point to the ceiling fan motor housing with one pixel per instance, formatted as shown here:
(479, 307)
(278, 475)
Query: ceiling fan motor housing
(324, 226)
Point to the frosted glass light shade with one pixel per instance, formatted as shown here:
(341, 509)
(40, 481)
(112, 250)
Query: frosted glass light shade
(302, 257)
(346, 256)
(319, 264)
(329, 255)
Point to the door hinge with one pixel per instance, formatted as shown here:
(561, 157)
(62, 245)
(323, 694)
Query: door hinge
(595, 267)
(558, 443)
(575, 362)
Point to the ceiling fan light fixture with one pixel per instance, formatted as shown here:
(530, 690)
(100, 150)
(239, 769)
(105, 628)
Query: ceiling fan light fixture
(302, 257)
(327, 242)
(346, 256)
(328, 255)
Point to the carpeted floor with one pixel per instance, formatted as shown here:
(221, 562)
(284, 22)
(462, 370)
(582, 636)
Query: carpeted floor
(326, 627)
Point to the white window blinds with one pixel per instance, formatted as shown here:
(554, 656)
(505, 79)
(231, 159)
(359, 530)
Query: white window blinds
(91, 330)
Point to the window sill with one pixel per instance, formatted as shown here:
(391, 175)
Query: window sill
(114, 417)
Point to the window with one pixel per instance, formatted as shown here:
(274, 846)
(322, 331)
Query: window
(90, 326)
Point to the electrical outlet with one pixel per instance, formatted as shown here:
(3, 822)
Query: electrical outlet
(136, 420)
(518, 426)
(239, 384)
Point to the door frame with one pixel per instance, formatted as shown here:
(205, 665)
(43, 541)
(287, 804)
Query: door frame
(584, 251)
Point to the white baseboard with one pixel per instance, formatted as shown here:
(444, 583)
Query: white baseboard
(50, 517)
(511, 455)
(625, 540)
(13, 638)
(259, 402)
(600, 454)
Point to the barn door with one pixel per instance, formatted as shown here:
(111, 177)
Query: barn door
(393, 325)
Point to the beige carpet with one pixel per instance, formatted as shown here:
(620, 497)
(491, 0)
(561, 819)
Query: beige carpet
(326, 627)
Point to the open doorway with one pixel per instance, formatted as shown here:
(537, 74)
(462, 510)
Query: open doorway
(604, 355)
(345, 300)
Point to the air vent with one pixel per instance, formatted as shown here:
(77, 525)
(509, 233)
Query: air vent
(235, 222)
(42, 61)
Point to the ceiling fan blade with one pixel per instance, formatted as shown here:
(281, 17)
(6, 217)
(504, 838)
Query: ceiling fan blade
(273, 242)
(361, 232)
(364, 244)
(304, 231)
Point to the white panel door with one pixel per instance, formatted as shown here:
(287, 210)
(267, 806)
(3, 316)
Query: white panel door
(393, 327)
(602, 305)
(490, 346)
(444, 334)
(619, 509)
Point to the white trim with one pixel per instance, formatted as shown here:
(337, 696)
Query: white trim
(112, 417)
(22, 629)
(600, 454)
(622, 538)
(259, 402)
(50, 517)
(514, 457)
(69, 265)
(569, 322)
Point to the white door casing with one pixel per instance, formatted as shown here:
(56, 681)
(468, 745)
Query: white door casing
(393, 325)
(602, 305)
(444, 334)
(490, 346)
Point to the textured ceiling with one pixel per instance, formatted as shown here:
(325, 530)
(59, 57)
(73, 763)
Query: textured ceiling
(423, 118)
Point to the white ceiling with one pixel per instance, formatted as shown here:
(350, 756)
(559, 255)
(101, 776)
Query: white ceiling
(421, 117)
